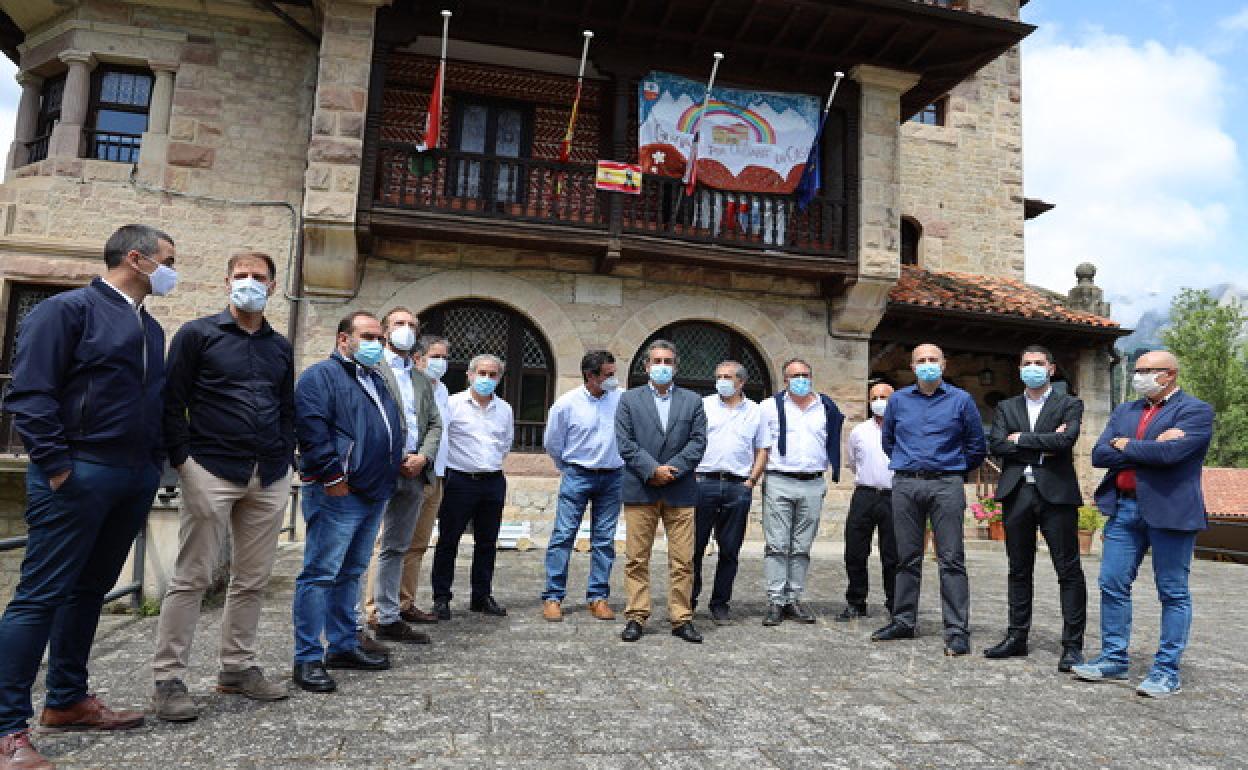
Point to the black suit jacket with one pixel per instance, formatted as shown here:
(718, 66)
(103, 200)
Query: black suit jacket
(1056, 480)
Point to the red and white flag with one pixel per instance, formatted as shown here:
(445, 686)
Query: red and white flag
(565, 147)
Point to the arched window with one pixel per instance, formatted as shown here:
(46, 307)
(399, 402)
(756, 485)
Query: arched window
(529, 378)
(910, 235)
(701, 347)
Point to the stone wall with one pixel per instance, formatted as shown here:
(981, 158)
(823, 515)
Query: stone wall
(12, 524)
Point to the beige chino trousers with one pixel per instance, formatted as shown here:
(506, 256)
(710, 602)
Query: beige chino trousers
(642, 522)
(410, 582)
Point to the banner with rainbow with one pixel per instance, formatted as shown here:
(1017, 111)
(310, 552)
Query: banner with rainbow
(752, 141)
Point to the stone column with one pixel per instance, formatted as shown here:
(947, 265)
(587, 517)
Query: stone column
(66, 141)
(858, 311)
(27, 118)
(154, 145)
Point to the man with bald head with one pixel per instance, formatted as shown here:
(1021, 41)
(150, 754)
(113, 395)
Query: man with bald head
(933, 436)
(1153, 449)
(870, 509)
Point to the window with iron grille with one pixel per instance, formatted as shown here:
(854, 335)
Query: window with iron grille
(120, 99)
(22, 299)
(701, 347)
(473, 328)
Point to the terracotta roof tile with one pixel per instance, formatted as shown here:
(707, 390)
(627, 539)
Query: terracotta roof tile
(1226, 492)
(989, 294)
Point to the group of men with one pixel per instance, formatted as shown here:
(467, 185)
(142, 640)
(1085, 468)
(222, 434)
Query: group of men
(385, 452)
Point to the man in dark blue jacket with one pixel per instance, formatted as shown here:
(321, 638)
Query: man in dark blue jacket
(86, 399)
(351, 442)
(1153, 448)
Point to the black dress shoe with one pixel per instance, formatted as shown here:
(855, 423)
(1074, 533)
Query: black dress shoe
(313, 677)
(798, 612)
(852, 612)
(632, 631)
(687, 632)
(1012, 646)
(958, 646)
(357, 659)
(775, 615)
(442, 609)
(487, 606)
(398, 631)
(1071, 657)
(720, 615)
(894, 630)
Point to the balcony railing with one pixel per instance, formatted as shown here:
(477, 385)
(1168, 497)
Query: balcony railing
(543, 191)
(111, 145)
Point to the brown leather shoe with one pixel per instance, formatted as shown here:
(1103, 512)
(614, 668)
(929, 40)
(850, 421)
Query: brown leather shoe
(552, 610)
(90, 713)
(417, 615)
(601, 610)
(16, 753)
(368, 644)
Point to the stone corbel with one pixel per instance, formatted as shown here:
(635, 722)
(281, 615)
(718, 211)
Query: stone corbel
(330, 259)
(857, 312)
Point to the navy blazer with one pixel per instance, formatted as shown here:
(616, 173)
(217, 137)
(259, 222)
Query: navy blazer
(1167, 473)
(644, 445)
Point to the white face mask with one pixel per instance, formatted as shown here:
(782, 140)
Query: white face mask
(610, 384)
(1146, 384)
(402, 338)
(878, 406)
(435, 367)
(163, 279)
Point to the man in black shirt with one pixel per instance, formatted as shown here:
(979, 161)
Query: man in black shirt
(229, 431)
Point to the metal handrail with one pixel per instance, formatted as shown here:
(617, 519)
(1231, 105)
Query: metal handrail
(133, 589)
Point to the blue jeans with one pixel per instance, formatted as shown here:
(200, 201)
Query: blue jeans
(78, 539)
(724, 508)
(1127, 538)
(340, 536)
(577, 490)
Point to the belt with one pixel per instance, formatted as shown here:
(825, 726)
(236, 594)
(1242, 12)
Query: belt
(476, 474)
(1124, 493)
(798, 476)
(877, 490)
(929, 475)
(721, 476)
(592, 470)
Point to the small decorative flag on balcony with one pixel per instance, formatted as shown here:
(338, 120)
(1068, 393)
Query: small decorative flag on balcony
(618, 177)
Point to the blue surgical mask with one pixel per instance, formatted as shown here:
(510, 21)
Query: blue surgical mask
(661, 374)
(248, 295)
(484, 386)
(1034, 376)
(163, 279)
(435, 367)
(928, 372)
(369, 352)
(610, 384)
(726, 388)
(799, 386)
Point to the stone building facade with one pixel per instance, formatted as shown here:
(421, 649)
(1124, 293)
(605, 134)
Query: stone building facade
(292, 135)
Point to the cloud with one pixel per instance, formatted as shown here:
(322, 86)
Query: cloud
(10, 92)
(1128, 140)
(1236, 22)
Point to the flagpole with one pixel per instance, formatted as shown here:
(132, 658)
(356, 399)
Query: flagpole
(446, 28)
(433, 118)
(566, 148)
(697, 129)
(812, 154)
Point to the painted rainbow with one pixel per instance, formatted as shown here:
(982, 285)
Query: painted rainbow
(761, 130)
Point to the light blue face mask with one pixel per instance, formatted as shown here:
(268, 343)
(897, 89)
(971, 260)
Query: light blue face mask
(435, 367)
(928, 372)
(661, 374)
(725, 387)
(799, 386)
(1034, 376)
(484, 386)
(248, 295)
(369, 352)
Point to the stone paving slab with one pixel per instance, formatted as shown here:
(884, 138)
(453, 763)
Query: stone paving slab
(518, 692)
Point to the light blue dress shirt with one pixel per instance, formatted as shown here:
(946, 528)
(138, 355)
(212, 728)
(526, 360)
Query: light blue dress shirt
(403, 370)
(580, 430)
(663, 403)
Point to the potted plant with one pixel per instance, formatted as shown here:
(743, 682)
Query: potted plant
(1090, 521)
(988, 512)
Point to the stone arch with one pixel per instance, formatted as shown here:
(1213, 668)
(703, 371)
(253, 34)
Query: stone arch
(517, 294)
(742, 317)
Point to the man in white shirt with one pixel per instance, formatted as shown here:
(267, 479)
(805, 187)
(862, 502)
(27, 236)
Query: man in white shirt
(432, 362)
(423, 429)
(479, 431)
(736, 441)
(580, 438)
(805, 440)
(870, 509)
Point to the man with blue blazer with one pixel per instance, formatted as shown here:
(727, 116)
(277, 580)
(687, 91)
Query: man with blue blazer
(660, 431)
(1153, 449)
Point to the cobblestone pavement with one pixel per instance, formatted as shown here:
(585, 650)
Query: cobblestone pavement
(519, 692)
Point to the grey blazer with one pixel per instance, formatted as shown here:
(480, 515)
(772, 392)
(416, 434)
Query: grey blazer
(426, 411)
(645, 446)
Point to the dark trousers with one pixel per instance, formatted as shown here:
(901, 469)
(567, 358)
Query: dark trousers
(77, 541)
(467, 500)
(1025, 512)
(870, 509)
(723, 508)
(942, 501)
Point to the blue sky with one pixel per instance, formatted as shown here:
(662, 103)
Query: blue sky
(1134, 115)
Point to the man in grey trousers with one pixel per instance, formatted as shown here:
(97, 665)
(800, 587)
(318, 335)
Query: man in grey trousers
(422, 425)
(933, 436)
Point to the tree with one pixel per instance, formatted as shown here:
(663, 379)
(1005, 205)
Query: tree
(1208, 339)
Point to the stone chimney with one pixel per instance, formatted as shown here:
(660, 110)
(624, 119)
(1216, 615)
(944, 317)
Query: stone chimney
(1086, 295)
